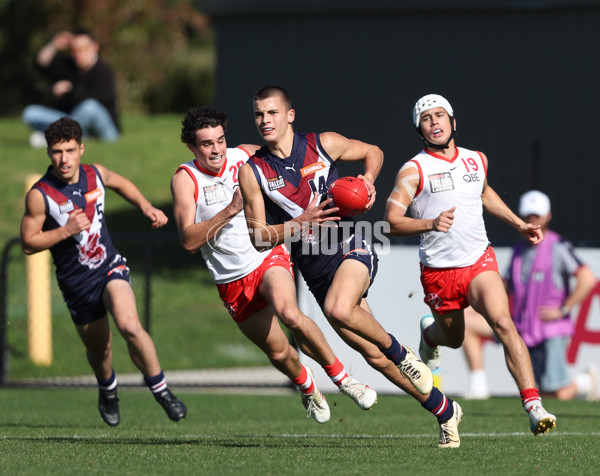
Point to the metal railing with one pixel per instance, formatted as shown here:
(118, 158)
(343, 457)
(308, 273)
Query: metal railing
(3, 310)
(146, 243)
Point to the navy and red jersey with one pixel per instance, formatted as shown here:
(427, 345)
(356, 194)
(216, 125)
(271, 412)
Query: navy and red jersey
(288, 185)
(81, 259)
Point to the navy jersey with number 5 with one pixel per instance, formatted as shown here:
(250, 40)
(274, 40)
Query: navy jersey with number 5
(83, 259)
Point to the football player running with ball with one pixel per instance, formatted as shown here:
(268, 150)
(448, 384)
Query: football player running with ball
(446, 189)
(257, 288)
(290, 178)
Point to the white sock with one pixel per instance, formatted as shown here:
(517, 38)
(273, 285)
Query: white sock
(584, 383)
(112, 386)
(477, 380)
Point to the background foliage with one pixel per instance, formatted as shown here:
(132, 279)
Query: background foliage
(161, 50)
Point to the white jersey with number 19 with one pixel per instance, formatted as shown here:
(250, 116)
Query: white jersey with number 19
(446, 183)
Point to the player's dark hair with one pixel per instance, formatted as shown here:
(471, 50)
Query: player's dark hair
(63, 130)
(273, 90)
(198, 118)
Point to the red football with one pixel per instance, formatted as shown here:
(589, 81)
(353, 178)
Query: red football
(350, 195)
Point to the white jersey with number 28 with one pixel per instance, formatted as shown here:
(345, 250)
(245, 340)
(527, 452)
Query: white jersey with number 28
(229, 255)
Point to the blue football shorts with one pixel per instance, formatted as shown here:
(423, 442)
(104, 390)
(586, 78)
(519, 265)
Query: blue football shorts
(85, 304)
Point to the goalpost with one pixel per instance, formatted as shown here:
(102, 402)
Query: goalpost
(39, 312)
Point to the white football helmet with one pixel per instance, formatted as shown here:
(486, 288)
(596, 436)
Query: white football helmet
(428, 102)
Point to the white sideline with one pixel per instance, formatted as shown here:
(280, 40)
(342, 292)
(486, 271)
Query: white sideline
(553, 434)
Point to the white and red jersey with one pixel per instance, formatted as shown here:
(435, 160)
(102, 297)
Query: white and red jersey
(229, 255)
(446, 183)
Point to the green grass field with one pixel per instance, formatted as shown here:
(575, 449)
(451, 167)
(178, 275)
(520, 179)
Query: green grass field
(61, 432)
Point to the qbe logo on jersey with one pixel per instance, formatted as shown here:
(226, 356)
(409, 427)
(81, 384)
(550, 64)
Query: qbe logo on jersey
(441, 182)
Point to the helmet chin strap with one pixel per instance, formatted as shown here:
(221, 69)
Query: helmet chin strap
(443, 146)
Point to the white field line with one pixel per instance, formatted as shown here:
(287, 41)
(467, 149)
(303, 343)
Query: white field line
(305, 436)
(425, 435)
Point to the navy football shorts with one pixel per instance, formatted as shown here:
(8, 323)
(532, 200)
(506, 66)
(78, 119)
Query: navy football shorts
(85, 305)
(356, 248)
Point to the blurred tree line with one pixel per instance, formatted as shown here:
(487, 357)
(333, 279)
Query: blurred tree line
(160, 50)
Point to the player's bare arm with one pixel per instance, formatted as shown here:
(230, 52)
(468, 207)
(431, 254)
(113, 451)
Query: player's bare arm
(33, 239)
(126, 189)
(347, 150)
(405, 187)
(264, 235)
(194, 236)
(493, 204)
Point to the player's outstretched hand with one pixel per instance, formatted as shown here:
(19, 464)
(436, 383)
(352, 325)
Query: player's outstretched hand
(156, 216)
(533, 233)
(318, 213)
(444, 222)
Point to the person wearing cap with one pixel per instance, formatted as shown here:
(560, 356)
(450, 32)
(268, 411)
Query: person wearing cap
(446, 189)
(539, 283)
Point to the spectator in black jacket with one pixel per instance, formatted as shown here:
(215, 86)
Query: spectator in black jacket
(82, 84)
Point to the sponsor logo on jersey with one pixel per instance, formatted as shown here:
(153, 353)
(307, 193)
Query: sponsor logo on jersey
(214, 193)
(93, 195)
(312, 168)
(441, 182)
(471, 177)
(66, 207)
(121, 269)
(276, 183)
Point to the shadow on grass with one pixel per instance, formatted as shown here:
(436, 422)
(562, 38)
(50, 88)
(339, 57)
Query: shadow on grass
(269, 441)
(36, 427)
